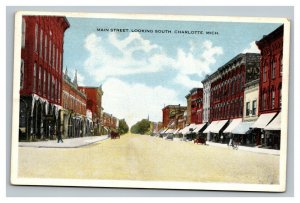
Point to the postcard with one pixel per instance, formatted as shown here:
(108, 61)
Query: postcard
(150, 101)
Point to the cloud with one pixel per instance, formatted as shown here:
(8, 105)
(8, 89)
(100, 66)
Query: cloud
(252, 48)
(113, 57)
(136, 101)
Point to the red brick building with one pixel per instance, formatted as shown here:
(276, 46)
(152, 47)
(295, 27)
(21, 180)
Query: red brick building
(171, 115)
(109, 122)
(270, 84)
(41, 75)
(94, 104)
(227, 88)
(196, 95)
(73, 98)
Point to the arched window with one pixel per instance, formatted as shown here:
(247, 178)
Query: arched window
(36, 38)
(23, 32)
(22, 74)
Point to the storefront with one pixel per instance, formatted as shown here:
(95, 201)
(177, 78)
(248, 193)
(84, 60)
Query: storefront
(258, 128)
(243, 134)
(273, 132)
(227, 133)
(217, 131)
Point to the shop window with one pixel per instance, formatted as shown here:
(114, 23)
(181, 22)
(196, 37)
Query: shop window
(23, 32)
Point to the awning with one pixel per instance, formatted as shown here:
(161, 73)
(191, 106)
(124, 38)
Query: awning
(211, 126)
(163, 131)
(232, 125)
(242, 128)
(263, 120)
(275, 124)
(176, 131)
(219, 126)
(169, 131)
(186, 130)
(199, 127)
(191, 128)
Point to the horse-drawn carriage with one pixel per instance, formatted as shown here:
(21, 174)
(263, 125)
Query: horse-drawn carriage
(200, 140)
(114, 135)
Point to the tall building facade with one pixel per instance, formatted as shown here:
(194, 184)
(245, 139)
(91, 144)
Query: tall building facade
(271, 47)
(227, 89)
(41, 76)
(206, 99)
(94, 104)
(196, 95)
(172, 114)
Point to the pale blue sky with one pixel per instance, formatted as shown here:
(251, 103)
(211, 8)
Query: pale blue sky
(153, 60)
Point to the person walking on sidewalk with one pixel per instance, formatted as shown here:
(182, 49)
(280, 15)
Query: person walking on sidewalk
(59, 137)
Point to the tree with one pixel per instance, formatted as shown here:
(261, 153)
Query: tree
(141, 127)
(123, 127)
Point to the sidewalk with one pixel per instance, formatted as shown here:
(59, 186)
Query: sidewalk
(68, 143)
(249, 149)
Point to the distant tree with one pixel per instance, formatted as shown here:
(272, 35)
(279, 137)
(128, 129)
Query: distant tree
(123, 127)
(141, 127)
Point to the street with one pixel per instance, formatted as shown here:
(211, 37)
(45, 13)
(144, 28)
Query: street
(141, 157)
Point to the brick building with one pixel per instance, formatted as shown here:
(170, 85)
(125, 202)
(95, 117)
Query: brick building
(268, 125)
(94, 104)
(41, 76)
(227, 93)
(171, 115)
(75, 120)
(206, 99)
(196, 105)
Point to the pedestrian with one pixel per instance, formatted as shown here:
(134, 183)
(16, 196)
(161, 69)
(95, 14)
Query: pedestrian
(59, 137)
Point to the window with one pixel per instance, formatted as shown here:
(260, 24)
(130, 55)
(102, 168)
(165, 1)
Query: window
(265, 101)
(49, 87)
(56, 62)
(40, 80)
(46, 46)
(254, 107)
(273, 99)
(34, 77)
(60, 65)
(36, 38)
(58, 92)
(247, 108)
(273, 66)
(41, 43)
(50, 46)
(280, 101)
(265, 72)
(44, 83)
(23, 32)
(53, 56)
(52, 88)
(281, 65)
(233, 85)
(22, 74)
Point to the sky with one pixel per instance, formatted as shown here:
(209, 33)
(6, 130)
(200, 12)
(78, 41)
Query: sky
(144, 65)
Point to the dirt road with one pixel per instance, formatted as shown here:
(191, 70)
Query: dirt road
(141, 157)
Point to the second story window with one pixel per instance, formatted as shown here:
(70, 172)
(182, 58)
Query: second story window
(23, 32)
(22, 74)
(36, 37)
(34, 77)
(265, 72)
(46, 46)
(281, 65)
(40, 81)
(44, 83)
(247, 108)
(41, 44)
(273, 99)
(254, 107)
(273, 68)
